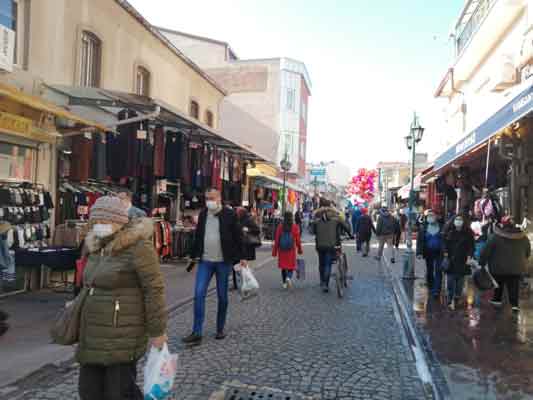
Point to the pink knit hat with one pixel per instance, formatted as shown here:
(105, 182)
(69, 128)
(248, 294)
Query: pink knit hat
(108, 208)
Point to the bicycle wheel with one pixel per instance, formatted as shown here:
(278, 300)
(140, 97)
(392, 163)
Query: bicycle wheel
(345, 268)
(339, 280)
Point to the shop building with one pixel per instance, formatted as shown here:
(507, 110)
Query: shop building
(116, 106)
(485, 165)
(274, 91)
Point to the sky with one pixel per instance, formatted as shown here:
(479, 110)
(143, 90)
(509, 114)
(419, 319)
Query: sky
(372, 63)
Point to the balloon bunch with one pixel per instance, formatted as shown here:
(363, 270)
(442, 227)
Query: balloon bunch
(361, 188)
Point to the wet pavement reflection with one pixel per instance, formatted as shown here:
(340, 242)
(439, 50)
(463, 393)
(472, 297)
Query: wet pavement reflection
(485, 352)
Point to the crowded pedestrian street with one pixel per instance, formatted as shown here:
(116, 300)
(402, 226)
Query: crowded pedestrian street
(298, 343)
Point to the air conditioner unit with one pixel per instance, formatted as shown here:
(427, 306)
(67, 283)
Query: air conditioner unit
(7, 49)
(504, 74)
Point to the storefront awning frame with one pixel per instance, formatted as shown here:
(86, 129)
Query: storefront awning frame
(111, 102)
(517, 108)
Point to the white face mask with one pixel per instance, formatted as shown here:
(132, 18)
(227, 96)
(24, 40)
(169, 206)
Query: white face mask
(102, 230)
(211, 205)
(458, 223)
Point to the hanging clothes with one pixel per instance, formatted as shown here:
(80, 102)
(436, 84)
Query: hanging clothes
(173, 155)
(185, 161)
(159, 152)
(99, 157)
(82, 151)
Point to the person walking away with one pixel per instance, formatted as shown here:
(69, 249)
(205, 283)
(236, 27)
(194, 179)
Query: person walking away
(430, 246)
(355, 219)
(397, 231)
(507, 252)
(251, 240)
(385, 233)
(125, 307)
(327, 226)
(403, 224)
(287, 242)
(459, 249)
(217, 244)
(365, 227)
(298, 219)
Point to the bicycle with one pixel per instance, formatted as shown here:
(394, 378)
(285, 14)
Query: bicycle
(341, 275)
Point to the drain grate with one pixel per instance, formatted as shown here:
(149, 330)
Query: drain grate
(258, 394)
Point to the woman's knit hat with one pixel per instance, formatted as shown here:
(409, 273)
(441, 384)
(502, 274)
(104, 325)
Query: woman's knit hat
(108, 208)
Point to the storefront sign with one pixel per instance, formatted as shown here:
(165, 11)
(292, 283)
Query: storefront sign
(510, 113)
(15, 124)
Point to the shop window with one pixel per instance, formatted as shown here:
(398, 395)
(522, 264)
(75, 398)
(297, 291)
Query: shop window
(91, 59)
(194, 110)
(209, 118)
(143, 82)
(16, 162)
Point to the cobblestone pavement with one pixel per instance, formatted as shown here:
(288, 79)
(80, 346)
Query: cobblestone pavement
(301, 341)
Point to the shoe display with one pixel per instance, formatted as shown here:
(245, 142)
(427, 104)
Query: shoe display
(193, 339)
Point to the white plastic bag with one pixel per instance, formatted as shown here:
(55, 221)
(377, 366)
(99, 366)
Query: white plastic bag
(249, 285)
(159, 373)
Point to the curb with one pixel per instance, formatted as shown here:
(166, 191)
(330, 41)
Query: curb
(426, 362)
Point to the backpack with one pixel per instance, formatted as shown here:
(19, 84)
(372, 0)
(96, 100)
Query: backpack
(387, 227)
(286, 241)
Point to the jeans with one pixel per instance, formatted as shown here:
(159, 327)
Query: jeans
(512, 282)
(286, 273)
(455, 284)
(389, 239)
(434, 271)
(325, 259)
(113, 382)
(358, 243)
(206, 270)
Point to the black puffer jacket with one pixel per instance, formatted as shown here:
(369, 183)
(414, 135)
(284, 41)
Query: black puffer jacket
(246, 222)
(459, 245)
(230, 235)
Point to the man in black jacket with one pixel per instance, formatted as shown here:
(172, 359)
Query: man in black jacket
(217, 244)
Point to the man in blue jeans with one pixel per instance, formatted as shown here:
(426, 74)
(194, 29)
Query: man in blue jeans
(217, 244)
(328, 227)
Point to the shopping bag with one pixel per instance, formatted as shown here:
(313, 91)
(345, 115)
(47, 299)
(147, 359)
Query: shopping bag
(159, 373)
(483, 279)
(249, 285)
(300, 269)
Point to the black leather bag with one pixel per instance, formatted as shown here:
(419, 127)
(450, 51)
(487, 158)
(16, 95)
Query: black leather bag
(249, 239)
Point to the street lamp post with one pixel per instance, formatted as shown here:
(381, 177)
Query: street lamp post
(415, 136)
(285, 165)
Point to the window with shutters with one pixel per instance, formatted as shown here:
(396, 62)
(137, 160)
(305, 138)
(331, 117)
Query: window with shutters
(194, 110)
(90, 60)
(209, 118)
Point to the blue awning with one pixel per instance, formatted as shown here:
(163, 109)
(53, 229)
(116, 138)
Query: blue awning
(511, 112)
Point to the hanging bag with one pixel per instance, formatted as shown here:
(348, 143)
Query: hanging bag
(159, 373)
(66, 327)
(249, 285)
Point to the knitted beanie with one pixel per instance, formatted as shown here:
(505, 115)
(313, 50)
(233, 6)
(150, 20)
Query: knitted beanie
(108, 208)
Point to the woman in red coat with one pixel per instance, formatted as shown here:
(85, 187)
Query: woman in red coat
(287, 242)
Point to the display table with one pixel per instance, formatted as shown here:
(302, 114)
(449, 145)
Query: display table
(55, 258)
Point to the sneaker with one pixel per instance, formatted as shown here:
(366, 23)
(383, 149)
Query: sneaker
(495, 303)
(285, 286)
(220, 336)
(392, 260)
(516, 309)
(193, 339)
(289, 283)
(451, 305)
